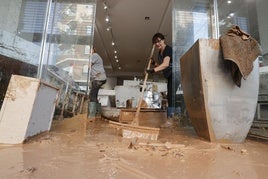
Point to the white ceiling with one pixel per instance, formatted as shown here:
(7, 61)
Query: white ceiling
(131, 33)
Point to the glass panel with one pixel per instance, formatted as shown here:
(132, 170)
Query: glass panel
(250, 17)
(262, 15)
(21, 28)
(70, 37)
(60, 49)
(239, 12)
(191, 21)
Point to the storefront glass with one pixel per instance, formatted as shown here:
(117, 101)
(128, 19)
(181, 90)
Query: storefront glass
(21, 31)
(70, 37)
(212, 18)
(46, 39)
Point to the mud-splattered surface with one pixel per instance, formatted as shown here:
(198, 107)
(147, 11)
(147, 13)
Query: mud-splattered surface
(71, 151)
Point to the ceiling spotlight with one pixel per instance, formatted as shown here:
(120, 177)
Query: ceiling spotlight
(119, 68)
(104, 5)
(115, 56)
(231, 14)
(117, 60)
(107, 19)
(108, 28)
(113, 43)
(115, 51)
(229, 2)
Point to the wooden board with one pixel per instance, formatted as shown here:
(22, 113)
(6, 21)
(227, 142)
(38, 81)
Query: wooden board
(147, 117)
(132, 131)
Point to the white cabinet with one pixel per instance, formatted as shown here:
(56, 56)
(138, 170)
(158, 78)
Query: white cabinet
(27, 110)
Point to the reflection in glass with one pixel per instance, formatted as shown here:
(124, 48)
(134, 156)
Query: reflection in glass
(191, 21)
(61, 50)
(70, 39)
(21, 27)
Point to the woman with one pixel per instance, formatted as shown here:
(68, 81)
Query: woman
(97, 78)
(164, 64)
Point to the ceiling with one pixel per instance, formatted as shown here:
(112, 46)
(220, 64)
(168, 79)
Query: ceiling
(131, 32)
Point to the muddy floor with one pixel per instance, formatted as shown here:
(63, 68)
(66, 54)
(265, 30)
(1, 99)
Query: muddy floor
(70, 150)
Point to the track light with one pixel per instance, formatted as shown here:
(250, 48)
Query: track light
(108, 28)
(107, 19)
(230, 15)
(105, 6)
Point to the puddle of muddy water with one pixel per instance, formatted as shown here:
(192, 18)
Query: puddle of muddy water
(73, 150)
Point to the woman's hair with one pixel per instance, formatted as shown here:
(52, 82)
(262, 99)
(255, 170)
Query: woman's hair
(94, 49)
(157, 36)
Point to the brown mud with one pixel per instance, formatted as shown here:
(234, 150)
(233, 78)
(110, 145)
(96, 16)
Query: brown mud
(73, 150)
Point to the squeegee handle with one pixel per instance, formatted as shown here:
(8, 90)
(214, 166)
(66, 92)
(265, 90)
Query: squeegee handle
(136, 119)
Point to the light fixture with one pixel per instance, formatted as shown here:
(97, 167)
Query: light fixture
(108, 28)
(105, 5)
(231, 14)
(107, 19)
(229, 2)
